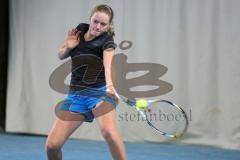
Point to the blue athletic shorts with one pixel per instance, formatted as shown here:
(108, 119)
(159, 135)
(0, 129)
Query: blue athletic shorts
(85, 100)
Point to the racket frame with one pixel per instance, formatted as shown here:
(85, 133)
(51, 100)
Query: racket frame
(132, 103)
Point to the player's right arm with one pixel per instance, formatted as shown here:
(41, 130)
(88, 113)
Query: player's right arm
(70, 43)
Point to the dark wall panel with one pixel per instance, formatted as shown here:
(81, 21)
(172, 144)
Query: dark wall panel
(4, 34)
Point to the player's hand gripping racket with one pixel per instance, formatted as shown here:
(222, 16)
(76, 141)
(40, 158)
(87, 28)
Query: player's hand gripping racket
(163, 116)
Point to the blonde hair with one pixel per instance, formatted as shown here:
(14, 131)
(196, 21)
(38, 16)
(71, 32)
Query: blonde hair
(108, 10)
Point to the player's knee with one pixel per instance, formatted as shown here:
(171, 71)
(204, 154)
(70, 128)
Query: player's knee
(108, 134)
(52, 146)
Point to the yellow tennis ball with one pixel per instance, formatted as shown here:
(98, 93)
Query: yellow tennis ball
(141, 103)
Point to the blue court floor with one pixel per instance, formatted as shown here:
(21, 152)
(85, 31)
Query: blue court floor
(27, 147)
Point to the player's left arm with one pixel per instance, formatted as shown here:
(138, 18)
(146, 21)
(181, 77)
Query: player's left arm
(108, 62)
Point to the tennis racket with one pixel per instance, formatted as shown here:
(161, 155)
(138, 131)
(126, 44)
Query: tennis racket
(163, 116)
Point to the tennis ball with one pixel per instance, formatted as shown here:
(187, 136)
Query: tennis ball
(141, 104)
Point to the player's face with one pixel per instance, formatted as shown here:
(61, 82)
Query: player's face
(99, 23)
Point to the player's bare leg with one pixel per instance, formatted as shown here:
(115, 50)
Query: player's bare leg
(60, 132)
(106, 117)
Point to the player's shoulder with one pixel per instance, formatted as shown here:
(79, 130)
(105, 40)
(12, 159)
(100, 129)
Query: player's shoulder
(82, 27)
(107, 37)
(108, 41)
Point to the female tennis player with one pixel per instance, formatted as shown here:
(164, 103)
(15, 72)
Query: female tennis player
(92, 43)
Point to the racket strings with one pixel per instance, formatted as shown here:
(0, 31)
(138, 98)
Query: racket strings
(166, 118)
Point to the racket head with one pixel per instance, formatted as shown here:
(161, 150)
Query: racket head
(166, 118)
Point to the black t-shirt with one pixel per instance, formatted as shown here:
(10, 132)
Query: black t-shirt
(87, 59)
